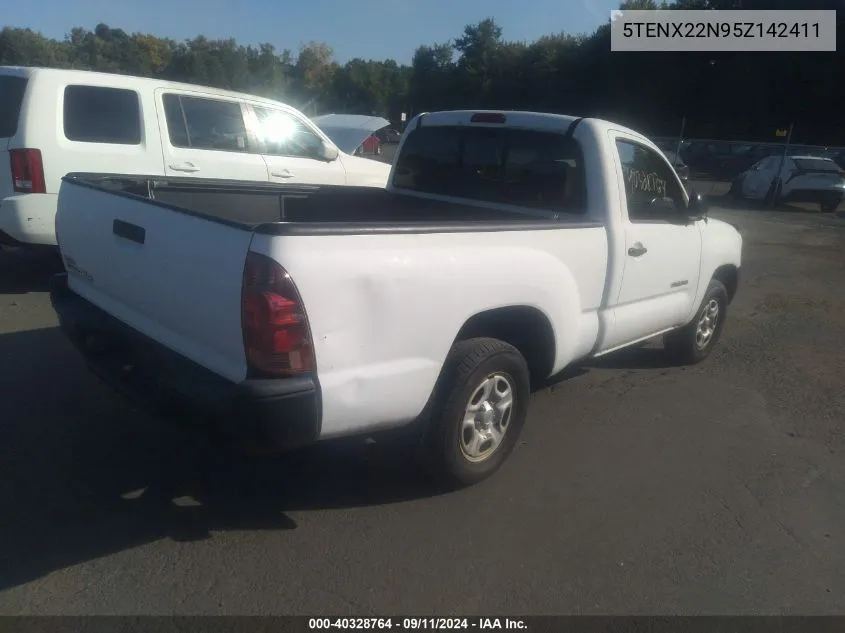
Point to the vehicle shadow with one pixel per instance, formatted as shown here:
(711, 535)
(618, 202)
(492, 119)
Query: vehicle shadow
(83, 475)
(24, 270)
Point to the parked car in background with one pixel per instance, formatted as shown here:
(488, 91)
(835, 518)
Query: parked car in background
(353, 133)
(390, 136)
(371, 145)
(56, 121)
(837, 156)
(721, 160)
(337, 311)
(801, 179)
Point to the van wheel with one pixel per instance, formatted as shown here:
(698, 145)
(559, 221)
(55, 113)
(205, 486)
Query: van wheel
(478, 411)
(694, 342)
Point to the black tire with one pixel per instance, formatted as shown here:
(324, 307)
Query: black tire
(684, 345)
(469, 364)
(829, 207)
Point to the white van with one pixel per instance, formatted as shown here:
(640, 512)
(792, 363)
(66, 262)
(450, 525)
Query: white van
(53, 122)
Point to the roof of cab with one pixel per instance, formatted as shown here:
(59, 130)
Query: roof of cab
(522, 118)
(80, 75)
(513, 117)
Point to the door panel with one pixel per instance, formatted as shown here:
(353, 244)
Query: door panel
(206, 137)
(662, 248)
(290, 149)
(665, 276)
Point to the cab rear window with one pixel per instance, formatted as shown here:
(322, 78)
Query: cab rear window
(11, 97)
(527, 168)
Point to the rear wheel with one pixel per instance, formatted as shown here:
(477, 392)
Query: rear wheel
(478, 411)
(829, 205)
(694, 342)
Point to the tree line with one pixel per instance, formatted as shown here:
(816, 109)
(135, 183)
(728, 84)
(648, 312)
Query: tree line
(733, 95)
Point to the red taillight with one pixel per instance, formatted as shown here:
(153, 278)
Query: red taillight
(277, 338)
(487, 117)
(27, 171)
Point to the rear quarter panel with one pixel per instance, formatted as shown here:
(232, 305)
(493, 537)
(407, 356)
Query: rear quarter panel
(42, 127)
(385, 309)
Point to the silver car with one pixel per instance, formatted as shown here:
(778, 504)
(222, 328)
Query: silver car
(802, 179)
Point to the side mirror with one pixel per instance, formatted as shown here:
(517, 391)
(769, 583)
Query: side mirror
(329, 153)
(698, 206)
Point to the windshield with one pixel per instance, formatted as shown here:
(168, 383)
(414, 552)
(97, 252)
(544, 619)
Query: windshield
(817, 164)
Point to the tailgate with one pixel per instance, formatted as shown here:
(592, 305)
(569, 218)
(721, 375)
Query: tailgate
(172, 276)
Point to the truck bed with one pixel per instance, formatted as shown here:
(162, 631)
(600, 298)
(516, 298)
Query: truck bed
(285, 209)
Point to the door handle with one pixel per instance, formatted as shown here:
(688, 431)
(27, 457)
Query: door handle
(637, 249)
(188, 167)
(281, 174)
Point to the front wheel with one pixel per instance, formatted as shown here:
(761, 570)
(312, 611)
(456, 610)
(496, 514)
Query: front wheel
(478, 410)
(694, 342)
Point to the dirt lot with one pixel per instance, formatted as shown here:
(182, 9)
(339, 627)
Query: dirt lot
(637, 487)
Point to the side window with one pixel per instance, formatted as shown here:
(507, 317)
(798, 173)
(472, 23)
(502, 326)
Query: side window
(651, 189)
(94, 114)
(177, 128)
(285, 135)
(199, 123)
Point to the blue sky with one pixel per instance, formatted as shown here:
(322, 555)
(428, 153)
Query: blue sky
(354, 28)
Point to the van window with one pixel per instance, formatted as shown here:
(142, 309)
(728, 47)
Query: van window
(199, 123)
(11, 98)
(527, 168)
(94, 114)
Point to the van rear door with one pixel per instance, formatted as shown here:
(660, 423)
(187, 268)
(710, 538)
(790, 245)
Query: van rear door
(12, 89)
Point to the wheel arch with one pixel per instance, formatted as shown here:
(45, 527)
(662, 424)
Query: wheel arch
(728, 274)
(527, 328)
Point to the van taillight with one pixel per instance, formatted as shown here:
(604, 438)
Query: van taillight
(277, 338)
(27, 171)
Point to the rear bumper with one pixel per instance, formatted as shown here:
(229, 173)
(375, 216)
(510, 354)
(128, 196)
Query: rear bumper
(30, 218)
(271, 413)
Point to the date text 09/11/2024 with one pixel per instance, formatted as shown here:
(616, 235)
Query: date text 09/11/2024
(416, 624)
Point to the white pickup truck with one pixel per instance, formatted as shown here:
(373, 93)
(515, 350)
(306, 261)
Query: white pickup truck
(506, 247)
